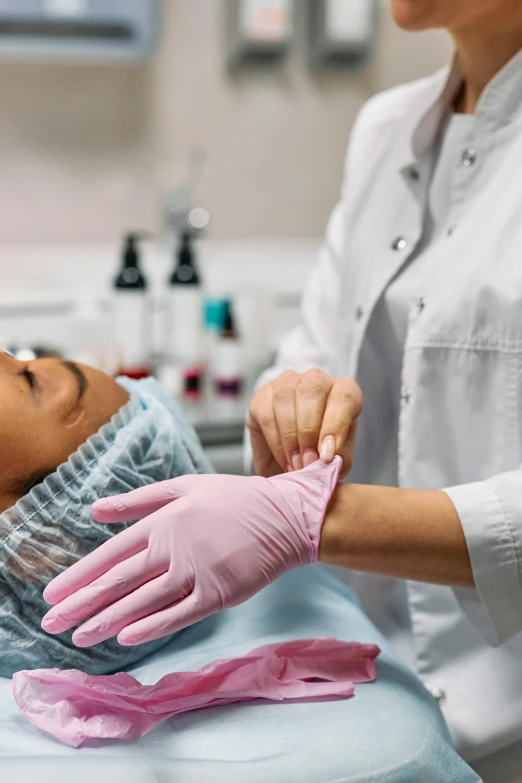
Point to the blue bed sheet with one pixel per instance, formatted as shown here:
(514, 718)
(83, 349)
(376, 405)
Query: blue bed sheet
(391, 730)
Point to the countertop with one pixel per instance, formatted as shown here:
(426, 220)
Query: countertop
(42, 284)
(53, 276)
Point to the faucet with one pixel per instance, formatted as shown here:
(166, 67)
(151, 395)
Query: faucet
(179, 214)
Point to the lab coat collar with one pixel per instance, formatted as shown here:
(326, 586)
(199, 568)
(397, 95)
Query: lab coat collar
(501, 100)
(424, 124)
(427, 129)
(499, 104)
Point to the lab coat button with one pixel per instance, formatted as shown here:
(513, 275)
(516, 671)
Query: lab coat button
(399, 243)
(359, 312)
(405, 394)
(438, 694)
(420, 304)
(469, 156)
(414, 173)
(451, 229)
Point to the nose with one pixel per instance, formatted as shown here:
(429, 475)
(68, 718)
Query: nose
(8, 362)
(6, 358)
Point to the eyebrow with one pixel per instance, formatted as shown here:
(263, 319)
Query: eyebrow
(79, 375)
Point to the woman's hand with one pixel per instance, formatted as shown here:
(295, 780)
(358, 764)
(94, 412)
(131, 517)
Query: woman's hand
(300, 416)
(204, 543)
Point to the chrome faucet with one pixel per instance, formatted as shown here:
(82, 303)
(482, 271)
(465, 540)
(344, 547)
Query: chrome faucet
(179, 214)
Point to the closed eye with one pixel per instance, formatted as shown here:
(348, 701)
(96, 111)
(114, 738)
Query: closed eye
(30, 377)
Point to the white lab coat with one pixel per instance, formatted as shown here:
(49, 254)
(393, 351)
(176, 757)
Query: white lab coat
(461, 411)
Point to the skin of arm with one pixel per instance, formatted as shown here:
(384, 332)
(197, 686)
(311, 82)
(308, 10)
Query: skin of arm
(410, 534)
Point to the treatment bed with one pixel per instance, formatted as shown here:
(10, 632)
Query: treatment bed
(390, 730)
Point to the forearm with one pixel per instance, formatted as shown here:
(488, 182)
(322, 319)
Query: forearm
(412, 534)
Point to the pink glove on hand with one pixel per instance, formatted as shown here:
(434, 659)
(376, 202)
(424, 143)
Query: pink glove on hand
(204, 543)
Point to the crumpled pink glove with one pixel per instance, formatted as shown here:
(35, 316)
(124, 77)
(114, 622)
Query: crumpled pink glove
(76, 707)
(205, 543)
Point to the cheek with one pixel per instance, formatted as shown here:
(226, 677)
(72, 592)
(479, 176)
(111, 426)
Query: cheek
(23, 445)
(32, 439)
(103, 398)
(67, 436)
(38, 441)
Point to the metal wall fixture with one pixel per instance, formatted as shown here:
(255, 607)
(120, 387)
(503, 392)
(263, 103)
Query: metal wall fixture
(108, 30)
(341, 33)
(259, 31)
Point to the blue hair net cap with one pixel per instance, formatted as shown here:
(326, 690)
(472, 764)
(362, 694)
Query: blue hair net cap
(148, 440)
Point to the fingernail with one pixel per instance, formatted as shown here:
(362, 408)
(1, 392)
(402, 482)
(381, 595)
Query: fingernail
(81, 640)
(126, 640)
(328, 449)
(106, 504)
(48, 622)
(84, 636)
(289, 468)
(310, 456)
(297, 462)
(47, 595)
(100, 505)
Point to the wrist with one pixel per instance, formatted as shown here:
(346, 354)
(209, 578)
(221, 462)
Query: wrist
(410, 534)
(307, 493)
(340, 513)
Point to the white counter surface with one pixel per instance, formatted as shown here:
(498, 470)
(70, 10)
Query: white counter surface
(50, 276)
(40, 287)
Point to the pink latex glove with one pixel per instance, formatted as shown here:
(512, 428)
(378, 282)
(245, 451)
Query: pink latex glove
(206, 543)
(75, 707)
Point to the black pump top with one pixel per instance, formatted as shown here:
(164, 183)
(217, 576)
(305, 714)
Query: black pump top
(130, 276)
(185, 272)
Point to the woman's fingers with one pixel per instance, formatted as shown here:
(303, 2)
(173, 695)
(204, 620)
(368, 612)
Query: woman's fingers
(167, 621)
(348, 450)
(136, 504)
(299, 417)
(311, 397)
(284, 391)
(338, 428)
(264, 462)
(92, 566)
(116, 583)
(147, 600)
(266, 439)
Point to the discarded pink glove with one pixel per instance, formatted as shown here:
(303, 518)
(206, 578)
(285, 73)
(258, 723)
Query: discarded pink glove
(75, 707)
(205, 543)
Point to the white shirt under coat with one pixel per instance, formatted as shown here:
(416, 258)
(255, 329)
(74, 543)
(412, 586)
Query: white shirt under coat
(454, 419)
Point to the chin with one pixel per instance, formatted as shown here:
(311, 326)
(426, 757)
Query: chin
(415, 15)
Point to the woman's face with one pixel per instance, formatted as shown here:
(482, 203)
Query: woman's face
(453, 15)
(48, 407)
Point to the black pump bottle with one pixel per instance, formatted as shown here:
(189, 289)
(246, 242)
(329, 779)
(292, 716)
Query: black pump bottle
(130, 315)
(130, 275)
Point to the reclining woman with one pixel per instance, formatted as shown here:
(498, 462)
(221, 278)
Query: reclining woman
(70, 435)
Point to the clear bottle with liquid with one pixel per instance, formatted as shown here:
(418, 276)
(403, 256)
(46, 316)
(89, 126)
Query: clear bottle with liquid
(184, 343)
(227, 360)
(130, 315)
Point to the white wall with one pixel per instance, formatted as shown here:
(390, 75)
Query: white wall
(86, 152)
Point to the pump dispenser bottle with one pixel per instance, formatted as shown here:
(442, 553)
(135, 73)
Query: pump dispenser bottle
(227, 364)
(130, 316)
(184, 310)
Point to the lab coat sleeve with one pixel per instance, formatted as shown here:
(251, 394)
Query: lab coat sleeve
(491, 516)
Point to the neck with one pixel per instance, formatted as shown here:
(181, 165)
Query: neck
(482, 54)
